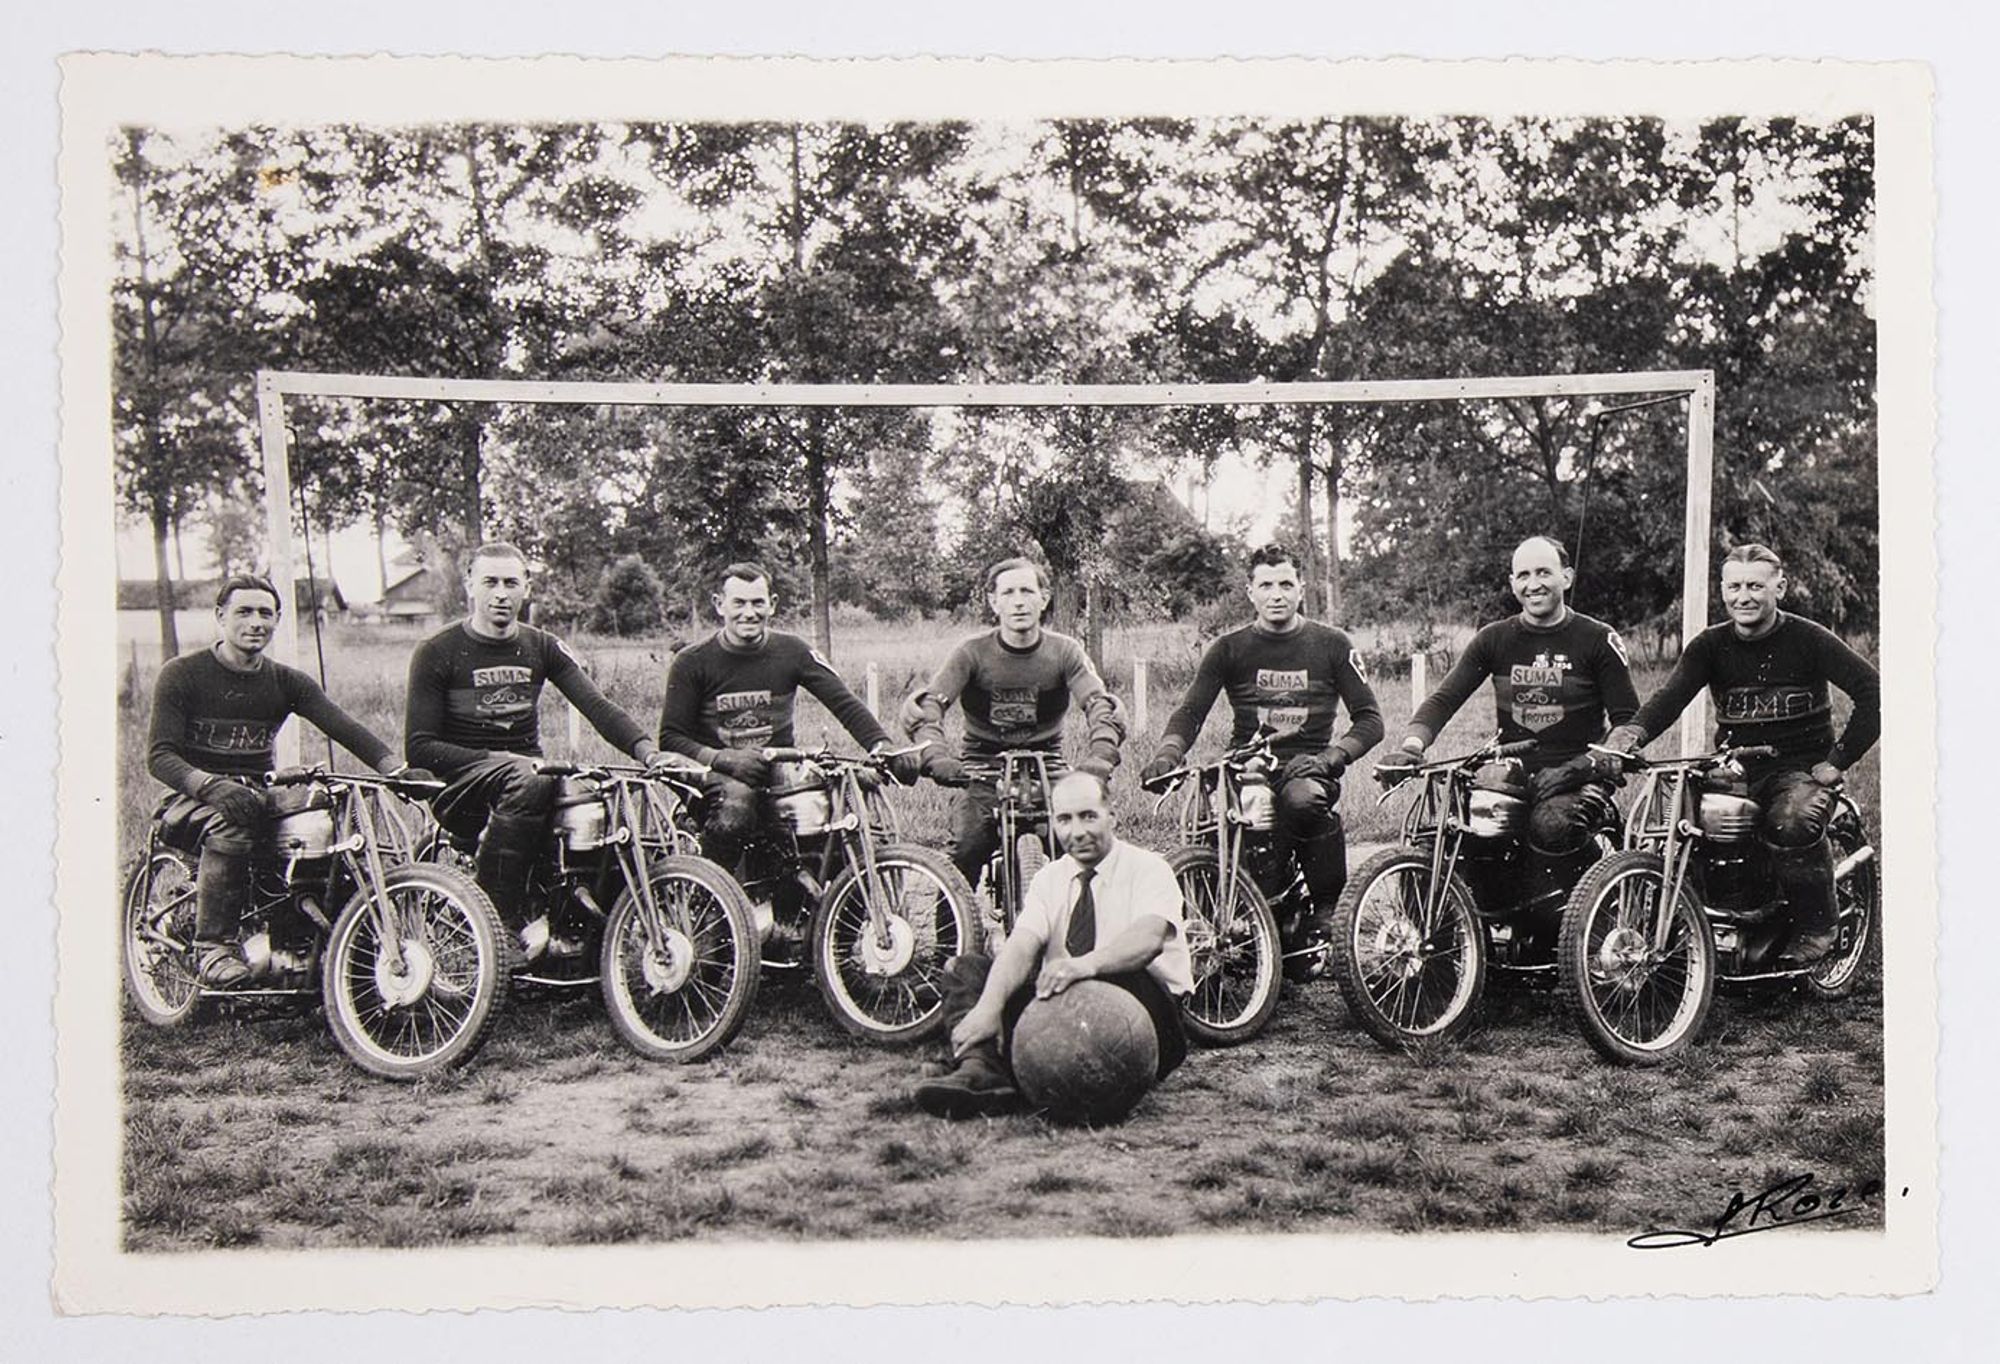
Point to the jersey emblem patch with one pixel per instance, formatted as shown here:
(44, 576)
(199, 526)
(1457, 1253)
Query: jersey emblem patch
(1283, 719)
(1618, 647)
(502, 676)
(1275, 680)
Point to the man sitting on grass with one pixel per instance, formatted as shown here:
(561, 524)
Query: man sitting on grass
(1105, 910)
(215, 717)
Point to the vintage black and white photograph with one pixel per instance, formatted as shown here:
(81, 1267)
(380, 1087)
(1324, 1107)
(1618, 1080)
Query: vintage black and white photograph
(813, 671)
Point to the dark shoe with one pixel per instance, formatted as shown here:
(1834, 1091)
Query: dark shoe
(220, 966)
(974, 1090)
(1810, 949)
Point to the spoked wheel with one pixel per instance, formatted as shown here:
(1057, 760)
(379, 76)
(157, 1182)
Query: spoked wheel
(1232, 948)
(1411, 960)
(431, 1007)
(1858, 898)
(887, 987)
(678, 989)
(158, 938)
(1639, 1004)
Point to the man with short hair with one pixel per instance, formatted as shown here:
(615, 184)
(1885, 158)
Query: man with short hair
(1767, 671)
(1105, 910)
(1557, 676)
(473, 715)
(1289, 675)
(731, 696)
(215, 717)
(1015, 685)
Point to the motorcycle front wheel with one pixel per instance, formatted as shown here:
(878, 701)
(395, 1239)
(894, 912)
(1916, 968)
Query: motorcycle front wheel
(1232, 948)
(1411, 961)
(431, 1007)
(158, 938)
(1638, 1004)
(887, 987)
(678, 989)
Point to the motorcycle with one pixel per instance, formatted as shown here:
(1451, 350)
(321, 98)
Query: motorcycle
(1231, 877)
(1420, 925)
(1690, 902)
(627, 904)
(1022, 778)
(405, 957)
(834, 890)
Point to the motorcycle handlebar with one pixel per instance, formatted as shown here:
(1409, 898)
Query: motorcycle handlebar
(1516, 749)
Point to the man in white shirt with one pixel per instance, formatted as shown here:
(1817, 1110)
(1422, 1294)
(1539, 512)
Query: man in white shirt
(1105, 910)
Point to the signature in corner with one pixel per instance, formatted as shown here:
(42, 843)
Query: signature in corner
(1791, 1202)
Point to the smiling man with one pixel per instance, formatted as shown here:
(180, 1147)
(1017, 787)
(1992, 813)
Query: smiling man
(1105, 910)
(1768, 671)
(1289, 675)
(473, 716)
(1015, 685)
(1558, 675)
(215, 717)
(731, 696)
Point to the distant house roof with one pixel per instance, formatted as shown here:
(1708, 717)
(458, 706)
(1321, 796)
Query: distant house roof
(420, 585)
(193, 594)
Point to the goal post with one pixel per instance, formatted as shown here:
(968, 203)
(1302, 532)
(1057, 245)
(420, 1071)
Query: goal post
(1698, 386)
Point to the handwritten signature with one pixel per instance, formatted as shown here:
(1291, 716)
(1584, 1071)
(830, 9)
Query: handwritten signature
(1791, 1202)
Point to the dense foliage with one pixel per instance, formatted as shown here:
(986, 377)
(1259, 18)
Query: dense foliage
(1144, 251)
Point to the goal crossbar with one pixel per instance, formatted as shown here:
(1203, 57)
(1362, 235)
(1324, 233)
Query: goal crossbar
(1698, 386)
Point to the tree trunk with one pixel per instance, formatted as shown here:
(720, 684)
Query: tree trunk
(471, 513)
(1093, 622)
(1308, 539)
(163, 586)
(180, 555)
(818, 497)
(1334, 605)
(381, 555)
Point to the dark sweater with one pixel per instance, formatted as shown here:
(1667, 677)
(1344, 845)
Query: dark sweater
(1554, 684)
(1294, 683)
(211, 720)
(471, 697)
(1017, 698)
(719, 697)
(1773, 691)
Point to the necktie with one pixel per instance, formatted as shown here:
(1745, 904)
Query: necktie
(1082, 934)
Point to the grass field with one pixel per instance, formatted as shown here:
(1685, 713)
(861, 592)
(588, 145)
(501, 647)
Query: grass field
(252, 1128)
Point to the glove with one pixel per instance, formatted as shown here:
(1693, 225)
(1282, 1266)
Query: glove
(1607, 766)
(1827, 775)
(1162, 763)
(1393, 767)
(905, 767)
(945, 770)
(241, 805)
(659, 760)
(1325, 767)
(746, 765)
(1100, 768)
(416, 774)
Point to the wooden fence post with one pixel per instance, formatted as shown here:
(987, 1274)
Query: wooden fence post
(874, 688)
(1420, 685)
(1139, 670)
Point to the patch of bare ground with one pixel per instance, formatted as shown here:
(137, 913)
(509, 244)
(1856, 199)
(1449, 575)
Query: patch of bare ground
(252, 1129)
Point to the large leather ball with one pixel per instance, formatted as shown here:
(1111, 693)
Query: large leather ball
(1087, 1055)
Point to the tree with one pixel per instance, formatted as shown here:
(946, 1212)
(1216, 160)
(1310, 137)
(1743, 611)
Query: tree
(185, 331)
(630, 598)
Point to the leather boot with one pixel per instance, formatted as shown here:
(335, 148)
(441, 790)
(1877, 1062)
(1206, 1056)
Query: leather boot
(222, 889)
(979, 1087)
(506, 856)
(1806, 874)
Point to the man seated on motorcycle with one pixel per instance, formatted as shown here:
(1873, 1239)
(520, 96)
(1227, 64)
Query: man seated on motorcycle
(1557, 674)
(473, 715)
(1106, 910)
(1767, 672)
(731, 696)
(215, 716)
(1288, 675)
(1015, 684)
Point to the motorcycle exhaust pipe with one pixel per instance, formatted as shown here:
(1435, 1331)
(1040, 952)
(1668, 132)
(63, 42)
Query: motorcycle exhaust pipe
(1847, 865)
